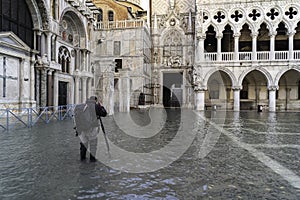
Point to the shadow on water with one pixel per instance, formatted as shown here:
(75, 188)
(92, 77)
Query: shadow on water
(43, 163)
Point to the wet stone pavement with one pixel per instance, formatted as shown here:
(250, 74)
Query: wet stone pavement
(166, 154)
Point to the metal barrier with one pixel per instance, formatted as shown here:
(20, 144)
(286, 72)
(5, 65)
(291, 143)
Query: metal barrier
(28, 117)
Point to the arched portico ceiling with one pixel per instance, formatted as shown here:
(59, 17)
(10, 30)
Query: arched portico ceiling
(263, 71)
(284, 71)
(224, 70)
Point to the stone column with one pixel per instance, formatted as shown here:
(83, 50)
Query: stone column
(236, 46)
(37, 86)
(200, 99)
(291, 45)
(87, 63)
(125, 90)
(32, 80)
(89, 84)
(77, 59)
(21, 83)
(43, 83)
(50, 89)
(48, 45)
(199, 56)
(76, 90)
(43, 44)
(254, 46)
(272, 46)
(106, 93)
(219, 55)
(272, 98)
(83, 61)
(236, 98)
(84, 89)
(55, 89)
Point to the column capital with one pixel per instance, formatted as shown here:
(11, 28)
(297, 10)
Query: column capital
(272, 34)
(50, 72)
(273, 88)
(200, 88)
(254, 34)
(291, 33)
(201, 36)
(236, 35)
(237, 87)
(219, 36)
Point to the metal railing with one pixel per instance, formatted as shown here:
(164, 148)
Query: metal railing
(27, 117)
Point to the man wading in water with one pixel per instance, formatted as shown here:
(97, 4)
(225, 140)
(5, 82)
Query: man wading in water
(87, 126)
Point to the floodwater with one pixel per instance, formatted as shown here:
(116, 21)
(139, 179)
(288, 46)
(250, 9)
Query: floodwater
(193, 155)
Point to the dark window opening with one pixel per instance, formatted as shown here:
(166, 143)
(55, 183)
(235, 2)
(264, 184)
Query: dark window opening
(15, 16)
(118, 64)
(100, 16)
(110, 16)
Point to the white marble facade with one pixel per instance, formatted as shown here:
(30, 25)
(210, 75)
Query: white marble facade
(239, 54)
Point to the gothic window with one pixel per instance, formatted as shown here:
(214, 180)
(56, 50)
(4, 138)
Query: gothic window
(64, 59)
(210, 42)
(15, 16)
(297, 37)
(263, 38)
(100, 16)
(227, 42)
(245, 40)
(281, 39)
(110, 16)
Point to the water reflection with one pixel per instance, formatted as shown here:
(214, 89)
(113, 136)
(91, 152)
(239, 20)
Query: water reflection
(43, 162)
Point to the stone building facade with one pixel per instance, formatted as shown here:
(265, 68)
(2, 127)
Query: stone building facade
(253, 47)
(244, 54)
(46, 52)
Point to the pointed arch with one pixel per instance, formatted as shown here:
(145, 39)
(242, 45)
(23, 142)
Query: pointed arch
(283, 71)
(260, 69)
(223, 69)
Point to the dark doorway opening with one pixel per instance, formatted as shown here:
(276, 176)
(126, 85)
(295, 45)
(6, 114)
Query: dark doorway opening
(62, 93)
(172, 90)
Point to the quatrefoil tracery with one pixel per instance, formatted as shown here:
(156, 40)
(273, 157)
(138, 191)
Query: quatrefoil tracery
(236, 16)
(254, 15)
(291, 12)
(272, 14)
(219, 16)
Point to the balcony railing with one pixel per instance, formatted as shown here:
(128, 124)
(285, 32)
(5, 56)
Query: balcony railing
(120, 24)
(249, 56)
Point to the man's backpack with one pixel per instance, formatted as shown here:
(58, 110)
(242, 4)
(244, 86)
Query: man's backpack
(85, 117)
